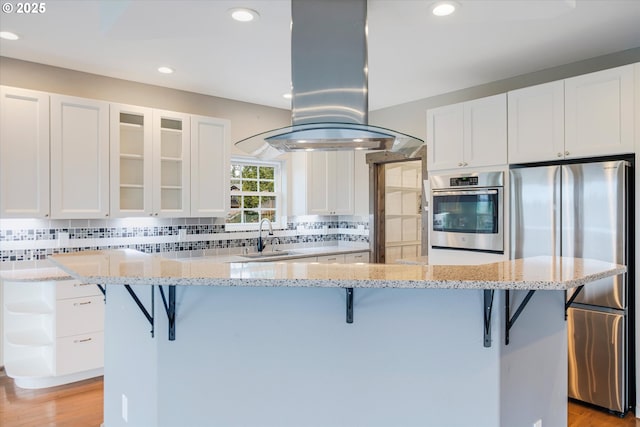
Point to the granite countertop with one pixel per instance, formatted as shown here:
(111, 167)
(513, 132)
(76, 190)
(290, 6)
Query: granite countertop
(119, 267)
(279, 254)
(421, 260)
(39, 274)
(51, 272)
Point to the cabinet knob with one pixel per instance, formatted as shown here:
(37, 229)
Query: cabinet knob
(155, 214)
(465, 164)
(106, 214)
(150, 214)
(460, 164)
(566, 153)
(559, 154)
(46, 215)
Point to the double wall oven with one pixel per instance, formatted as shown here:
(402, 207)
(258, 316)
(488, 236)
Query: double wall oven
(467, 212)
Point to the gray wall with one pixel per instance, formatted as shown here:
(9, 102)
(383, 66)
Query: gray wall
(246, 119)
(411, 117)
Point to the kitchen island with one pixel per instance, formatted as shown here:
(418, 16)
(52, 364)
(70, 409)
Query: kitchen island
(273, 344)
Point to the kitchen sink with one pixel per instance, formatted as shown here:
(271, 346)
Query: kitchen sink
(269, 254)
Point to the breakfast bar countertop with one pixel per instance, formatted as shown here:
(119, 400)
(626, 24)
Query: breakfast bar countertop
(130, 267)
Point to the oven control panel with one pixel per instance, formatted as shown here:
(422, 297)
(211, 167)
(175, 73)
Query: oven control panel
(463, 181)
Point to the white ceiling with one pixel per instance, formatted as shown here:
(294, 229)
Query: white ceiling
(412, 54)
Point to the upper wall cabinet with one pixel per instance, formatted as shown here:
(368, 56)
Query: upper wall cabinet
(79, 158)
(171, 163)
(536, 123)
(468, 134)
(150, 167)
(210, 163)
(24, 153)
(599, 113)
(323, 183)
(131, 160)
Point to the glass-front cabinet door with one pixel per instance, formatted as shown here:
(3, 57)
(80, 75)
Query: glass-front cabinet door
(131, 161)
(171, 171)
(149, 162)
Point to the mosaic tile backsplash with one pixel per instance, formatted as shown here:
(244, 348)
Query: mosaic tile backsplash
(33, 240)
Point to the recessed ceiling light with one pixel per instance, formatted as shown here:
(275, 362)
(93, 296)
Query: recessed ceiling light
(7, 35)
(165, 70)
(444, 8)
(243, 14)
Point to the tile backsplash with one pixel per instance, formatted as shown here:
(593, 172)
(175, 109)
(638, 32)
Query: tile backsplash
(24, 243)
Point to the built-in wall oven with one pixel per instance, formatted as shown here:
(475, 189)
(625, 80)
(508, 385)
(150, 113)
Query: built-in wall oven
(467, 211)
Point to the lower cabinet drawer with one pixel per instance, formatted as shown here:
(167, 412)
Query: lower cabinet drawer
(331, 259)
(79, 315)
(357, 257)
(76, 289)
(79, 353)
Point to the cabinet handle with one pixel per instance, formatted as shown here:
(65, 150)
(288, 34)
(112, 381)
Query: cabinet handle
(82, 340)
(80, 284)
(81, 303)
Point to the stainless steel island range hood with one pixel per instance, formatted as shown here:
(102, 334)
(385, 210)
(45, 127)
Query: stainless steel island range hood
(329, 86)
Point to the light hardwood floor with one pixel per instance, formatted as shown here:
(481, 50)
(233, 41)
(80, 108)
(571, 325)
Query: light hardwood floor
(73, 405)
(80, 405)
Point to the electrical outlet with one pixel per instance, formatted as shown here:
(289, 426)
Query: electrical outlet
(538, 423)
(182, 234)
(125, 408)
(300, 228)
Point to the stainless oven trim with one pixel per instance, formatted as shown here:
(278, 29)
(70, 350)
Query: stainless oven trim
(488, 183)
(479, 191)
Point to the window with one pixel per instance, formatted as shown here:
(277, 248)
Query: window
(254, 192)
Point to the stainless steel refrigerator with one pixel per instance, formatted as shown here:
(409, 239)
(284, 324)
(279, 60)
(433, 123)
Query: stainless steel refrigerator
(583, 210)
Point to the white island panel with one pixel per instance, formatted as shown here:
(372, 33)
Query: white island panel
(286, 357)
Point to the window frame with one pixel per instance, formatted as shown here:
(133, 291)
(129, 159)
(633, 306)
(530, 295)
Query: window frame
(277, 193)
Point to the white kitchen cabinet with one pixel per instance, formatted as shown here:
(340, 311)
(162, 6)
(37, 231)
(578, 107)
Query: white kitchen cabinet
(24, 153)
(172, 163)
(599, 113)
(53, 332)
(331, 259)
(536, 123)
(445, 137)
(294, 260)
(210, 163)
(637, 112)
(323, 183)
(79, 158)
(150, 171)
(356, 257)
(468, 135)
(361, 183)
(131, 149)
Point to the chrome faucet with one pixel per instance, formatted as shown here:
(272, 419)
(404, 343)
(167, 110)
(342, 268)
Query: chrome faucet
(261, 244)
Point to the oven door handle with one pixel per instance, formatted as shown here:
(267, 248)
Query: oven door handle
(464, 192)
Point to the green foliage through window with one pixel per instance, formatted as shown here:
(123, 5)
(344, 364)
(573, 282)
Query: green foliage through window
(253, 192)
